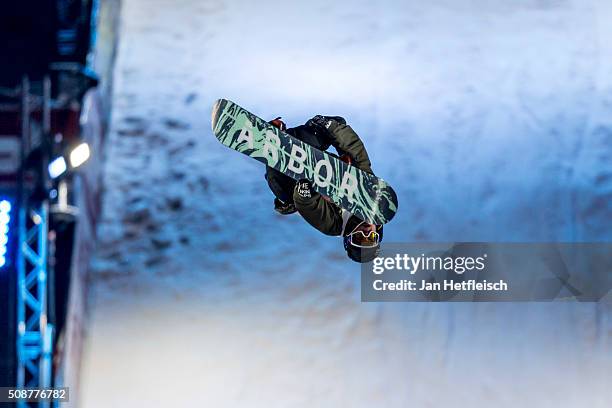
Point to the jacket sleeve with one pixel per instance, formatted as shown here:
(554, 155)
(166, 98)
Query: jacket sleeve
(320, 213)
(344, 139)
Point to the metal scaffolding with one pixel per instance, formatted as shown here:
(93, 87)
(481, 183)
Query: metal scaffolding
(34, 332)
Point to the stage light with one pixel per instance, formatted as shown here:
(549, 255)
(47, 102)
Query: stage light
(5, 206)
(5, 220)
(79, 155)
(57, 167)
(75, 157)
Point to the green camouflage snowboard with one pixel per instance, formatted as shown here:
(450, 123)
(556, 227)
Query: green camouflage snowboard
(365, 195)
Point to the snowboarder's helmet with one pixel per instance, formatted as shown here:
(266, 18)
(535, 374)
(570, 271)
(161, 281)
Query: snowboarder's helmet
(360, 254)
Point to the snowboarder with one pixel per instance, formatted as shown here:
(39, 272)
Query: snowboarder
(361, 239)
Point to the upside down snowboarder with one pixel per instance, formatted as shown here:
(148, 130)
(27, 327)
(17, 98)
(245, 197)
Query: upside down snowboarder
(361, 239)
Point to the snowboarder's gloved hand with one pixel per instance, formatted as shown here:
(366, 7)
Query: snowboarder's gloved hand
(345, 157)
(284, 208)
(278, 123)
(304, 188)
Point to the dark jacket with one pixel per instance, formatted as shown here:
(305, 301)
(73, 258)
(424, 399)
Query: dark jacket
(318, 211)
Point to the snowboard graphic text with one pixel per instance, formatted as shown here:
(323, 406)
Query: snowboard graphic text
(323, 170)
(361, 193)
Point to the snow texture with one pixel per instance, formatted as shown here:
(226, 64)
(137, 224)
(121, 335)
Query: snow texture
(492, 120)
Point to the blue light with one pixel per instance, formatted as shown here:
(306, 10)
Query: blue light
(5, 219)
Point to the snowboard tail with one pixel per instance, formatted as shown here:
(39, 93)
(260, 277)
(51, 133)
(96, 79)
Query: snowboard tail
(363, 194)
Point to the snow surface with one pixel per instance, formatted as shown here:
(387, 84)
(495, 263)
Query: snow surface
(492, 120)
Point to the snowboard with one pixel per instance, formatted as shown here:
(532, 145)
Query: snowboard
(368, 197)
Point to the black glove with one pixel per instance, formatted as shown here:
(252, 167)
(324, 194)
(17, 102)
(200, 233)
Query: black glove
(304, 188)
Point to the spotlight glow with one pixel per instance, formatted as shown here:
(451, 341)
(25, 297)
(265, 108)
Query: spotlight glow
(79, 155)
(57, 167)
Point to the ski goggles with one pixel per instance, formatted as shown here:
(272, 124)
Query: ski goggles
(362, 239)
